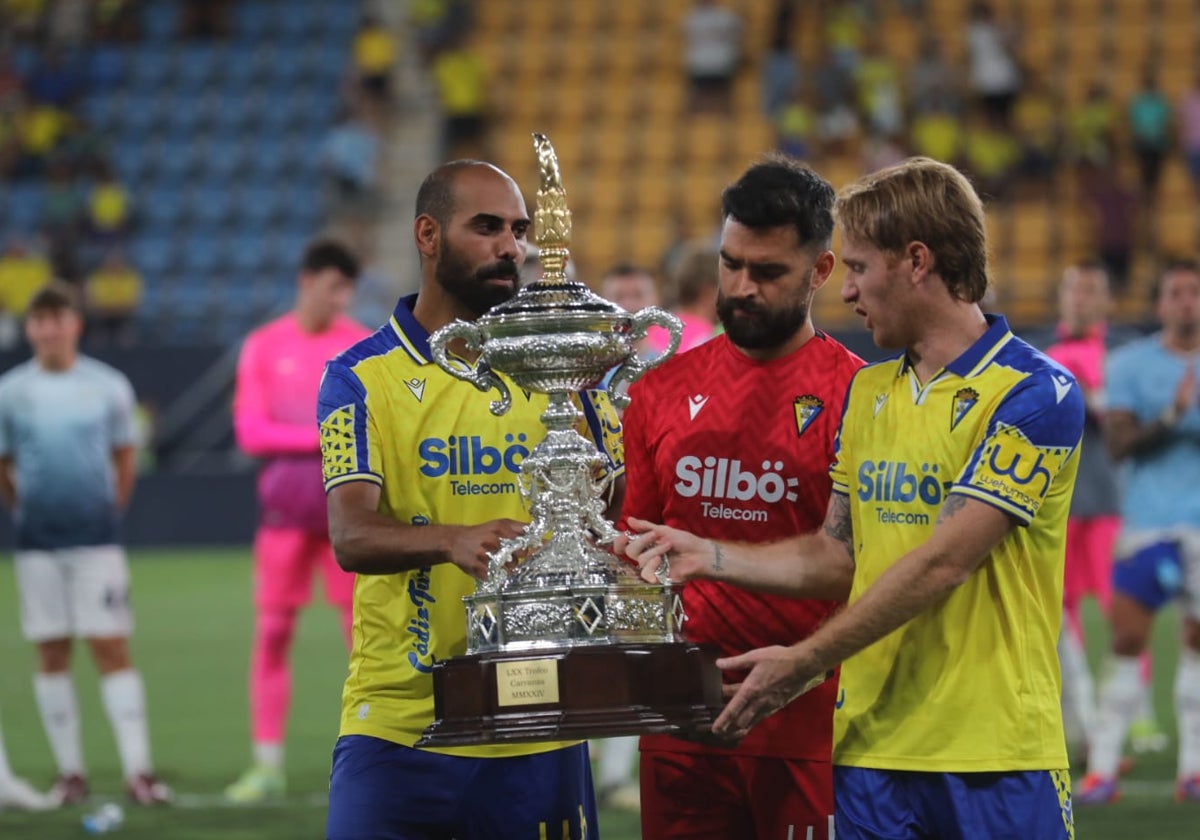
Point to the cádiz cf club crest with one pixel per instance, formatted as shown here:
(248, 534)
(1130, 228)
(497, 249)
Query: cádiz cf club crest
(964, 401)
(807, 408)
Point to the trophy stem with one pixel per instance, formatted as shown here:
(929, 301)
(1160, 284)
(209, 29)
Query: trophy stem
(561, 414)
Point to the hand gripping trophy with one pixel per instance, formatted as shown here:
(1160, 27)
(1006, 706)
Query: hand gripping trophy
(563, 640)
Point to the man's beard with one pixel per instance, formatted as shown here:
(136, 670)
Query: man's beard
(470, 288)
(753, 326)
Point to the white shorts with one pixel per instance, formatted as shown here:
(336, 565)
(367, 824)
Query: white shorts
(74, 593)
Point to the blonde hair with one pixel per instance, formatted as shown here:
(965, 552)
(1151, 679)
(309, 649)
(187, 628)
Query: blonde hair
(922, 200)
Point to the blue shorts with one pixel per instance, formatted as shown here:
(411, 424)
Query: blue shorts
(383, 791)
(1152, 575)
(897, 805)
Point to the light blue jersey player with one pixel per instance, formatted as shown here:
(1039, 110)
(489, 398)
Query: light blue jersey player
(66, 472)
(1153, 426)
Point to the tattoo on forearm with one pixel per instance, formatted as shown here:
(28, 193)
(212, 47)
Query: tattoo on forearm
(718, 557)
(838, 524)
(953, 504)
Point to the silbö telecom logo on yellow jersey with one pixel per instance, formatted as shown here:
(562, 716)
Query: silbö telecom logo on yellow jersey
(897, 487)
(469, 462)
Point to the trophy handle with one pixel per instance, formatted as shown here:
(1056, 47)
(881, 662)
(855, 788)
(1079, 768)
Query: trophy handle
(633, 367)
(481, 375)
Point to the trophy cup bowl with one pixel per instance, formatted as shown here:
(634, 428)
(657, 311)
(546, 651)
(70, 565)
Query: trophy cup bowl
(564, 640)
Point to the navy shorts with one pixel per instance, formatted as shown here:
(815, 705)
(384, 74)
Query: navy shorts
(1152, 575)
(892, 804)
(383, 791)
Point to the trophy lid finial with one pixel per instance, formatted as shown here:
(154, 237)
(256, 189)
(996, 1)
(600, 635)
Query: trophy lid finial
(552, 218)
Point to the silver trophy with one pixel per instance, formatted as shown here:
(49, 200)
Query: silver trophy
(555, 585)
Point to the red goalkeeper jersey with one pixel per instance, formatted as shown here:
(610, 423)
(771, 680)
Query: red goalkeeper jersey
(734, 449)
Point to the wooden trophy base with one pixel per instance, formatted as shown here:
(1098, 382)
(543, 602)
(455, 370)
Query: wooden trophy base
(575, 693)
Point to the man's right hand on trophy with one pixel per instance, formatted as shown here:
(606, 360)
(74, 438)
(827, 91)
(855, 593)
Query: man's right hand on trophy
(667, 554)
(472, 544)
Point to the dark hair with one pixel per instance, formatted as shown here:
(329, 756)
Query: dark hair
(329, 253)
(781, 191)
(55, 297)
(1171, 265)
(435, 198)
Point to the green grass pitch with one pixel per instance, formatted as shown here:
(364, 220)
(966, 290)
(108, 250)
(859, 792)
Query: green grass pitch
(192, 644)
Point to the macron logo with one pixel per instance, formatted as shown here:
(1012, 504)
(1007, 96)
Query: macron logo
(695, 404)
(417, 386)
(1062, 387)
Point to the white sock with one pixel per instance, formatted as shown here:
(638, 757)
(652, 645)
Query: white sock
(5, 770)
(125, 702)
(616, 761)
(1078, 696)
(269, 755)
(56, 702)
(1187, 712)
(1120, 699)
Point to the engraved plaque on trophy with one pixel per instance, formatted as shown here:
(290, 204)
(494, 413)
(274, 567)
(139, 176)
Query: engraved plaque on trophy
(564, 640)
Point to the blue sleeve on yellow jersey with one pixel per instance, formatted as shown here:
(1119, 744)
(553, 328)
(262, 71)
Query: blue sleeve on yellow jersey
(1032, 432)
(347, 446)
(837, 470)
(604, 426)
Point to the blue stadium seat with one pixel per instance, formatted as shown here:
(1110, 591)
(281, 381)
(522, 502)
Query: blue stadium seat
(201, 255)
(150, 67)
(201, 65)
(162, 208)
(212, 206)
(154, 256)
(105, 66)
(253, 21)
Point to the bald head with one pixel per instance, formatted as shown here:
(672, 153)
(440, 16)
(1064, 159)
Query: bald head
(437, 196)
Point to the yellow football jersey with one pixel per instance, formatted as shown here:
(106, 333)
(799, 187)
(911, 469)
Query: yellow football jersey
(390, 416)
(973, 683)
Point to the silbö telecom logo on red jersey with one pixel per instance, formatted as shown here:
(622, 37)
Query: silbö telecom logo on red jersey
(717, 480)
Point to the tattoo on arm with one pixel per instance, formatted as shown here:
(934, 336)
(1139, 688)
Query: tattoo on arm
(718, 557)
(953, 504)
(838, 524)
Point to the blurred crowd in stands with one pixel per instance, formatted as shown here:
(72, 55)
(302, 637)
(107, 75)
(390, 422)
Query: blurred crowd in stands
(49, 54)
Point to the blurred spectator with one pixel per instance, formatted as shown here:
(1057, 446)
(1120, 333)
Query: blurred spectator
(1036, 118)
(1113, 209)
(438, 23)
(1090, 127)
(991, 155)
(694, 289)
(1150, 131)
(375, 53)
(937, 133)
(23, 271)
(55, 81)
(837, 122)
(845, 25)
(877, 83)
(1189, 130)
(462, 91)
(39, 127)
(350, 158)
(205, 19)
(993, 75)
(62, 205)
(781, 70)
(712, 36)
(794, 126)
(109, 209)
(113, 297)
(83, 148)
(10, 145)
(932, 82)
(633, 288)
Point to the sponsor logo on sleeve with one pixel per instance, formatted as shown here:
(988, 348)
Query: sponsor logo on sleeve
(1014, 469)
(338, 447)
